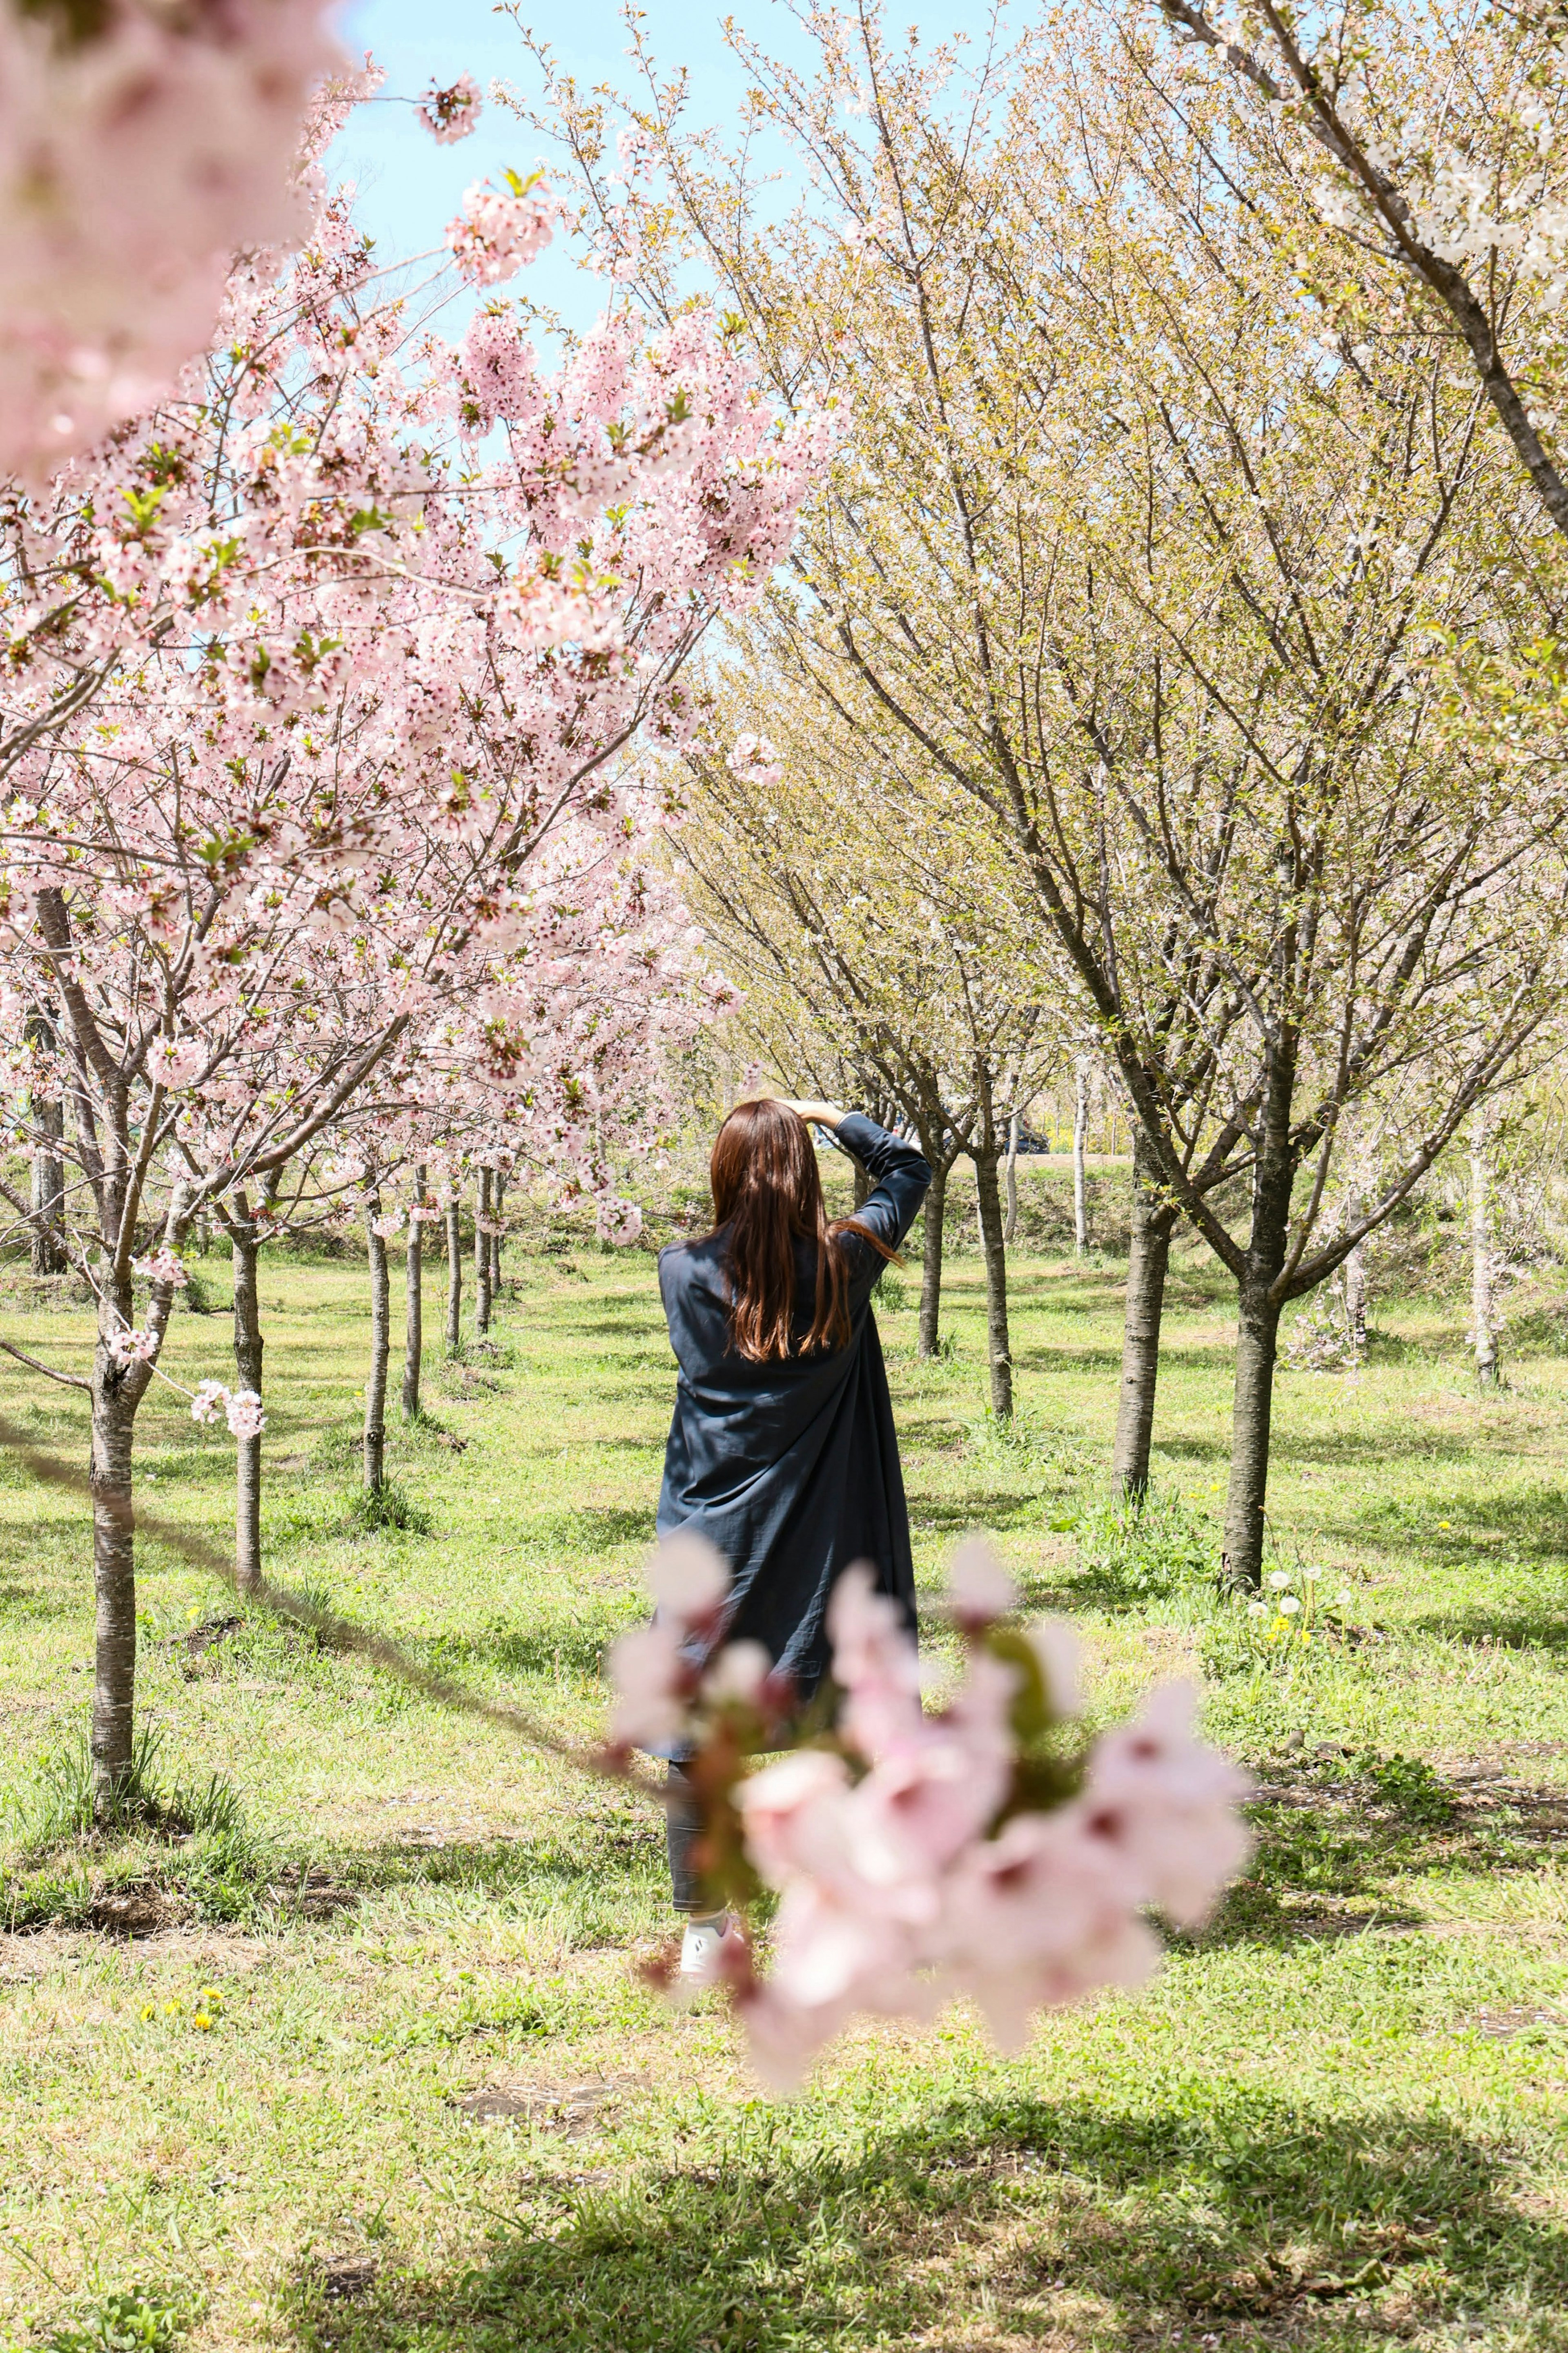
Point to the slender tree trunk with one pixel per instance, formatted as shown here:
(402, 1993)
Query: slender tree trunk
(249, 1350)
(1012, 1227)
(113, 1561)
(49, 1193)
(482, 1253)
(1355, 1301)
(414, 1307)
(1355, 1287)
(1257, 1335)
(48, 1168)
(497, 1197)
(1079, 1174)
(453, 1273)
(1148, 1257)
(1483, 1301)
(995, 1250)
(379, 1349)
(929, 1342)
(863, 1185)
(204, 1236)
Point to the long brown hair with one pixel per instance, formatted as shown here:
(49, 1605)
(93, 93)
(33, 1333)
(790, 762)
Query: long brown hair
(767, 1191)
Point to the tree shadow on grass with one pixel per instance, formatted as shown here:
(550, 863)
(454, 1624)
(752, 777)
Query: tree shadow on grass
(1218, 2213)
(1331, 1837)
(996, 1510)
(1542, 1629)
(589, 1527)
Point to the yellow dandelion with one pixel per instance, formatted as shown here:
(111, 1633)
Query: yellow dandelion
(202, 2019)
(149, 2010)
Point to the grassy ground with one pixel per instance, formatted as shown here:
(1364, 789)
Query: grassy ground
(431, 2106)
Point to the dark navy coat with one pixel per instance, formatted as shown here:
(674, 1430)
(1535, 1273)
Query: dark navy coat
(791, 1468)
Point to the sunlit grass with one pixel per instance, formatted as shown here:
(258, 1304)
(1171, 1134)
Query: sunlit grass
(1334, 2121)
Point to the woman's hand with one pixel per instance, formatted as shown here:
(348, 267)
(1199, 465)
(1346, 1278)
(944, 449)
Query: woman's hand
(820, 1115)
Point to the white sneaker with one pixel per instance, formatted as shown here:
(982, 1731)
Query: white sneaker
(700, 1948)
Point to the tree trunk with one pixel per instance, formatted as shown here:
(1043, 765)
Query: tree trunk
(863, 1185)
(1483, 1303)
(379, 1349)
(454, 1274)
(482, 1253)
(113, 1564)
(414, 1307)
(1355, 1301)
(1079, 1174)
(249, 1349)
(498, 1197)
(1012, 1225)
(49, 1172)
(1257, 1335)
(1147, 1259)
(989, 1197)
(49, 1193)
(929, 1341)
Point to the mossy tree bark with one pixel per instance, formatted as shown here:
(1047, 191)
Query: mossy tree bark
(1148, 1258)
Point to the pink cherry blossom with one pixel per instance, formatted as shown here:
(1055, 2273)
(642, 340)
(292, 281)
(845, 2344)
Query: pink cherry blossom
(689, 1578)
(449, 114)
(161, 1265)
(244, 1415)
(874, 1661)
(650, 1678)
(499, 230)
(979, 1588)
(1164, 1804)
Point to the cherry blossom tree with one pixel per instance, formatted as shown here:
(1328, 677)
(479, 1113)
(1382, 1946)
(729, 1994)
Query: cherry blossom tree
(140, 148)
(314, 702)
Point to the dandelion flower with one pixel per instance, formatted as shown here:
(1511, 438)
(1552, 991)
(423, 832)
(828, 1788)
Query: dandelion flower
(202, 2019)
(1279, 1579)
(1258, 1609)
(1444, 1523)
(149, 2010)
(1289, 1606)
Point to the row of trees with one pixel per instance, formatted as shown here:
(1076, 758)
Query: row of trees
(321, 885)
(1166, 660)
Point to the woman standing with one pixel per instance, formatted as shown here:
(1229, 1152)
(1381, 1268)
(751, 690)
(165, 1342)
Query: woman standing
(782, 1453)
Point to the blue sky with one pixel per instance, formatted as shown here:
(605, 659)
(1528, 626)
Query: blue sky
(409, 187)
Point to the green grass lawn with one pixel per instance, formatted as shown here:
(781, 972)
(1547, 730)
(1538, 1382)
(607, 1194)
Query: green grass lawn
(433, 2105)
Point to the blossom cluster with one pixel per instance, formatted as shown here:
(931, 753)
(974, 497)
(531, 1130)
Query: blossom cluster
(498, 230)
(136, 154)
(449, 114)
(916, 1855)
(240, 1409)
